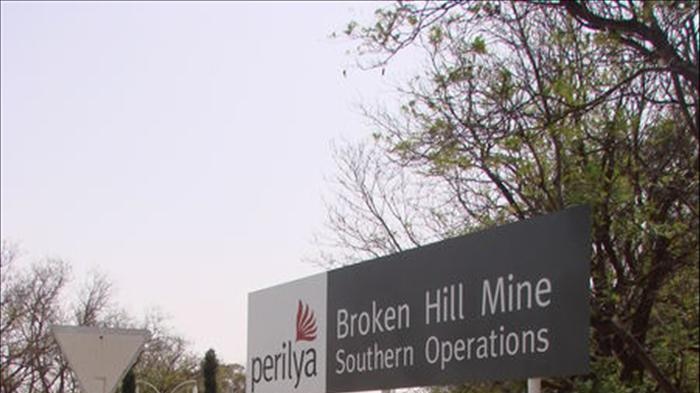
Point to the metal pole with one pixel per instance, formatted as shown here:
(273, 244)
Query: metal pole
(148, 384)
(181, 384)
(534, 385)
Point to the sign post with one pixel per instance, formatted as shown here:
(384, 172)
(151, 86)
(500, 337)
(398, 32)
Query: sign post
(534, 385)
(505, 303)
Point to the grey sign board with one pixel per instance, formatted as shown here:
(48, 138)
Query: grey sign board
(505, 303)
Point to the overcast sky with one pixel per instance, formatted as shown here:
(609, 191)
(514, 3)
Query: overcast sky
(180, 148)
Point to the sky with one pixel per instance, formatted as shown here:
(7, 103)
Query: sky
(182, 149)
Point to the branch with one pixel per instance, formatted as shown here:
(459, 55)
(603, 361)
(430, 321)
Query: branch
(633, 27)
(644, 358)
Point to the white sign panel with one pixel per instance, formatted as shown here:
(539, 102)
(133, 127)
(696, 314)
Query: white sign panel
(287, 338)
(99, 357)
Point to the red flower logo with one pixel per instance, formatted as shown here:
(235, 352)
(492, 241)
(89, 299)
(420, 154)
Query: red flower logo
(306, 323)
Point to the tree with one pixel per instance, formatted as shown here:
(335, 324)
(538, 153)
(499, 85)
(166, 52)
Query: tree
(129, 382)
(210, 368)
(232, 376)
(34, 297)
(166, 360)
(527, 108)
(30, 304)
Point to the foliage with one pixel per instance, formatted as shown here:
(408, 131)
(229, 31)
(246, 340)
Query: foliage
(129, 382)
(233, 377)
(166, 360)
(210, 369)
(527, 108)
(34, 297)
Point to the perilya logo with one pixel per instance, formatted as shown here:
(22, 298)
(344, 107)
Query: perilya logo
(290, 363)
(306, 323)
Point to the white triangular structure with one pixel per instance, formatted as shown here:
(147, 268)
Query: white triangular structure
(99, 357)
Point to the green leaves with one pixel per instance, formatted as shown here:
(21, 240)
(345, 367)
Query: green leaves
(523, 111)
(350, 28)
(435, 36)
(210, 370)
(513, 143)
(564, 89)
(479, 45)
(460, 74)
